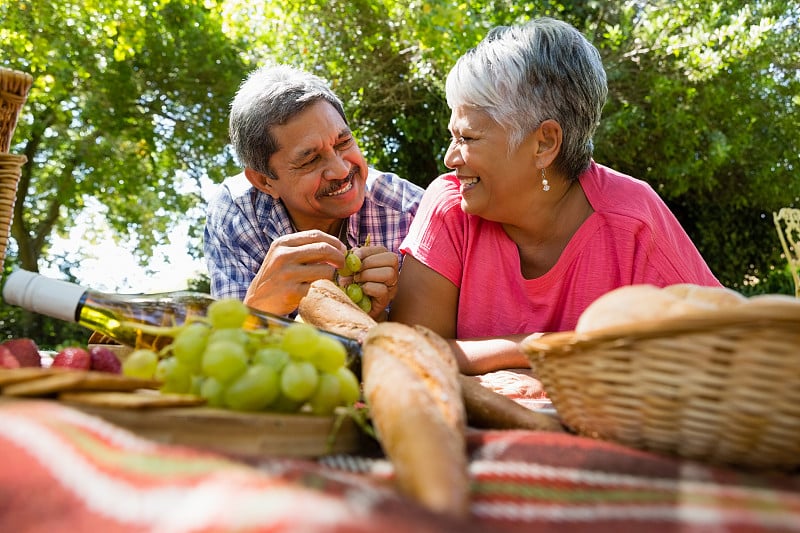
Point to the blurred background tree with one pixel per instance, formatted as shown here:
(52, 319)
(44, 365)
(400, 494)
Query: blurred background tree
(127, 111)
(130, 98)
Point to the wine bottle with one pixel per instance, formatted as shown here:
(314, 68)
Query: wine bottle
(136, 320)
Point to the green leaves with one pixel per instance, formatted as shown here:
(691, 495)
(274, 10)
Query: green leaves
(129, 100)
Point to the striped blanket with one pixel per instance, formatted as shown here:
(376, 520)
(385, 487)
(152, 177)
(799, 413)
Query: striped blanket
(63, 470)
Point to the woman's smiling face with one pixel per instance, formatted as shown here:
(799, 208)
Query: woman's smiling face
(321, 172)
(492, 180)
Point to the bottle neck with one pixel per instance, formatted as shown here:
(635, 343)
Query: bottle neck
(79, 306)
(50, 297)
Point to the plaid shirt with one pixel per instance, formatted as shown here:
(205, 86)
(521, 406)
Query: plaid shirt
(242, 222)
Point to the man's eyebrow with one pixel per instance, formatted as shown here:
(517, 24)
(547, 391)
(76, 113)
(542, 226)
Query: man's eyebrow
(300, 157)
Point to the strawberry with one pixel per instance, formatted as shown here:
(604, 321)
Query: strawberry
(73, 357)
(7, 359)
(104, 360)
(25, 350)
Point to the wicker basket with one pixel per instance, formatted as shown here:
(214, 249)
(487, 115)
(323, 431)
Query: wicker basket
(722, 387)
(10, 168)
(14, 87)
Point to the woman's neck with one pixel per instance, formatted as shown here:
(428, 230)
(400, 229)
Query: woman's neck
(542, 237)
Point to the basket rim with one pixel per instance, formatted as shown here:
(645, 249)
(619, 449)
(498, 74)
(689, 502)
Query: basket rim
(14, 158)
(20, 76)
(752, 313)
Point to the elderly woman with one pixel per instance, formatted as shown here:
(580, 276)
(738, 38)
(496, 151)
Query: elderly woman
(527, 230)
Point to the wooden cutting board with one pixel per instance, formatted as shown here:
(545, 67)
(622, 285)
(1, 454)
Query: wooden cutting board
(168, 419)
(244, 435)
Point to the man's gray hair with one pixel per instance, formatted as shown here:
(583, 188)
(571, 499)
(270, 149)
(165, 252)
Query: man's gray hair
(269, 97)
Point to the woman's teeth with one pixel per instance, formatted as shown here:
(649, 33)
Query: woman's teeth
(467, 183)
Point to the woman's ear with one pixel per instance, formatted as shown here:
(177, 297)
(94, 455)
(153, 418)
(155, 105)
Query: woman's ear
(260, 181)
(548, 137)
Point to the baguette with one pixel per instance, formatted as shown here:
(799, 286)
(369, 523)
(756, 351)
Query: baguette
(489, 409)
(412, 389)
(327, 307)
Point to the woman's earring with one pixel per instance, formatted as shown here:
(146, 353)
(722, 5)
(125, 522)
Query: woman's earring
(545, 183)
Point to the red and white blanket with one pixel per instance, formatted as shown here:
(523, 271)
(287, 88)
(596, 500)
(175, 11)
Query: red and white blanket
(63, 470)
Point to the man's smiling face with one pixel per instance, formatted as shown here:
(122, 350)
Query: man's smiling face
(321, 173)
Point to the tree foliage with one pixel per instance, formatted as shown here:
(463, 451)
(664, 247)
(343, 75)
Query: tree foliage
(704, 107)
(703, 97)
(128, 107)
(130, 100)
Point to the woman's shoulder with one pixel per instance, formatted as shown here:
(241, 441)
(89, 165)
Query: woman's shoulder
(603, 179)
(441, 204)
(613, 192)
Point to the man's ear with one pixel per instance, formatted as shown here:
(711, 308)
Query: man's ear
(548, 137)
(260, 181)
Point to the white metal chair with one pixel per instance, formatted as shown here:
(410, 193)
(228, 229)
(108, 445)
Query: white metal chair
(787, 222)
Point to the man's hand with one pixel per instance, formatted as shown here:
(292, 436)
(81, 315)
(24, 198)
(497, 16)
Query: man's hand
(378, 277)
(292, 263)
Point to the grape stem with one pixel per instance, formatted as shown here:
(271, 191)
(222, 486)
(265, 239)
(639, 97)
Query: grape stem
(360, 416)
(156, 332)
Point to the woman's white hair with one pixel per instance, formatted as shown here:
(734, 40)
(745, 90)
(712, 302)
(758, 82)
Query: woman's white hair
(524, 75)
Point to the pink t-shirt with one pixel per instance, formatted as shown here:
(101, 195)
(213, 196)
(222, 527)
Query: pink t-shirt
(632, 237)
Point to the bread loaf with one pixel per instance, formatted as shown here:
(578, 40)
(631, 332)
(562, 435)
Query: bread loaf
(640, 303)
(418, 399)
(714, 296)
(411, 387)
(327, 307)
(773, 299)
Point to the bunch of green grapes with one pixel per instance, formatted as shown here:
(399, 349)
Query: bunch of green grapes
(297, 369)
(354, 291)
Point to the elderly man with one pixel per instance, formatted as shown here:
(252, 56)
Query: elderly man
(305, 197)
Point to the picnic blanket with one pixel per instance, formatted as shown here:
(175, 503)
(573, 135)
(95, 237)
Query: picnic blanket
(64, 470)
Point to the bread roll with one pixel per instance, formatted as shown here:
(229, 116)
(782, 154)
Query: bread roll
(514, 383)
(716, 296)
(640, 303)
(327, 307)
(634, 303)
(411, 387)
(774, 298)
